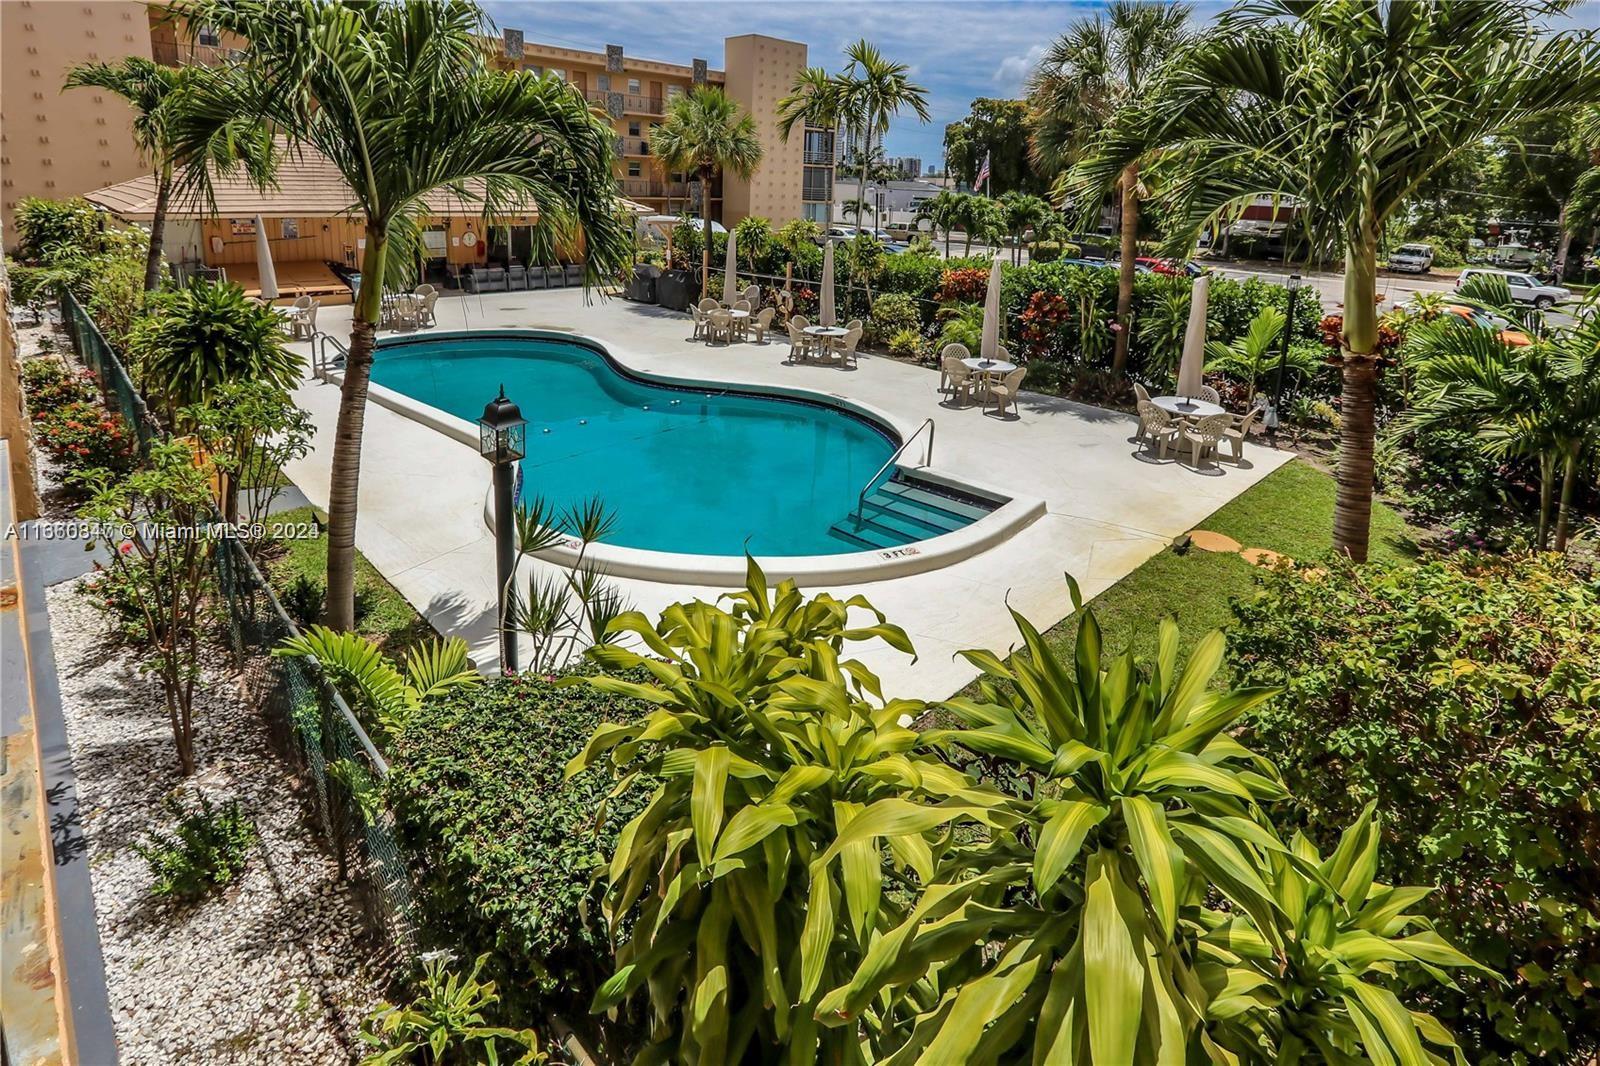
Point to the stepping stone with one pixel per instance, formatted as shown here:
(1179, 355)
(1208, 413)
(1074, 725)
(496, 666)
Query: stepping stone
(1263, 557)
(1208, 541)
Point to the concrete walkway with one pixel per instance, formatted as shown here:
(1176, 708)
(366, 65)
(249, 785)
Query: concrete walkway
(1108, 508)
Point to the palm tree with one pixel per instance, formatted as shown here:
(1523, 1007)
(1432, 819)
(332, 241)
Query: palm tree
(873, 90)
(978, 216)
(1540, 400)
(705, 132)
(1090, 73)
(854, 209)
(943, 209)
(156, 93)
(1020, 212)
(1347, 107)
(401, 100)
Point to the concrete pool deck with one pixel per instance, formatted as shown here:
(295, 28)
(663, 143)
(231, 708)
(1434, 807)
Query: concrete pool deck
(1107, 509)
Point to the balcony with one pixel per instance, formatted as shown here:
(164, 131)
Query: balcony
(643, 105)
(179, 54)
(823, 159)
(633, 146)
(652, 188)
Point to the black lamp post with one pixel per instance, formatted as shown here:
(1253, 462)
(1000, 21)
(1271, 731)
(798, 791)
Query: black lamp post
(1270, 417)
(502, 439)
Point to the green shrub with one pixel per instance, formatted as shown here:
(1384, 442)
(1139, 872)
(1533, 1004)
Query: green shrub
(504, 846)
(51, 386)
(915, 276)
(49, 229)
(82, 435)
(208, 849)
(892, 313)
(1463, 697)
(907, 344)
(446, 1022)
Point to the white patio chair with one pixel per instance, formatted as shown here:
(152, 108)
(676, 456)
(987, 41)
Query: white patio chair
(1140, 396)
(1155, 426)
(844, 348)
(699, 317)
(954, 351)
(752, 295)
(1209, 395)
(1235, 434)
(761, 323)
(801, 343)
(1005, 391)
(955, 374)
(428, 295)
(719, 324)
(1202, 436)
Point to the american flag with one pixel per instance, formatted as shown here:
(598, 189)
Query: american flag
(982, 179)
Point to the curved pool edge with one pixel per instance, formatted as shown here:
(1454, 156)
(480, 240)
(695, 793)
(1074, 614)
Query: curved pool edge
(1013, 514)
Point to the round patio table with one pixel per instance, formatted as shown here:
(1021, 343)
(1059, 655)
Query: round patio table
(1186, 407)
(988, 370)
(826, 331)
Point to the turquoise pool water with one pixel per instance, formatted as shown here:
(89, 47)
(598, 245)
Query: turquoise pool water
(698, 472)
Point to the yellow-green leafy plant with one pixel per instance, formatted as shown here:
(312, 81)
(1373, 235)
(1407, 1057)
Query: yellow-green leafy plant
(1303, 990)
(1073, 935)
(741, 901)
(446, 1023)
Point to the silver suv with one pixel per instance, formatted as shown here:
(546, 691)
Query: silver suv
(1525, 288)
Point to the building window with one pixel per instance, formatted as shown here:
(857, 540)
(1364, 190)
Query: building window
(560, 74)
(603, 83)
(817, 213)
(819, 146)
(290, 229)
(634, 169)
(209, 36)
(633, 129)
(674, 91)
(816, 183)
(633, 86)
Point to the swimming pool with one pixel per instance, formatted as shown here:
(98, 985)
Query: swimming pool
(701, 471)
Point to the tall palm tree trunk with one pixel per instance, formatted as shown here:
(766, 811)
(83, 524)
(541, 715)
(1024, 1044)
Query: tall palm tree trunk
(158, 230)
(1569, 482)
(1352, 508)
(1130, 250)
(705, 245)
(1547, 481)
(344, 484)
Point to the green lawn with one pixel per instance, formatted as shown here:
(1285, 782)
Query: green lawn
(382, 614)
(1290, 512)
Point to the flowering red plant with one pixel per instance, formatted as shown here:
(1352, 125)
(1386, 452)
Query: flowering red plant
(82, 435)
(966, 285)
(1041, 323)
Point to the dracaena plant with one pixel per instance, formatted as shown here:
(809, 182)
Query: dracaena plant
(742, 900)
(1312, 987)
(1138, 803)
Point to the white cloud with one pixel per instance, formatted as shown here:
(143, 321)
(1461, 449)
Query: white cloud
(1013, 71)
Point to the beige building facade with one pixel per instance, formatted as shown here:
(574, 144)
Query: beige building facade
(55, 144)
(58, 144)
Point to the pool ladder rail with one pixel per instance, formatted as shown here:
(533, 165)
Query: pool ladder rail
(320, 363)
(927, 424)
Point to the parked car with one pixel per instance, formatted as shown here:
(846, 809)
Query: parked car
(1412, 258)
(1525, 288)
(1170, 267)
(1509, 332)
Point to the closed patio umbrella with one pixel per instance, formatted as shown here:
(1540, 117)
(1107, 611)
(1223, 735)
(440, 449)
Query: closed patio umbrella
(990, 346)
(825, 316)
(1192, 368)
(269, 276)
(730, 281)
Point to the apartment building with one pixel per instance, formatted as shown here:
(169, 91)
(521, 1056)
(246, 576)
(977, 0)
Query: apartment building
(795, 179)
(57, 145)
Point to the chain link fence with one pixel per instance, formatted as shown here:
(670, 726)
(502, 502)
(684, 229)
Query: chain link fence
(115, 385)
(312, 726)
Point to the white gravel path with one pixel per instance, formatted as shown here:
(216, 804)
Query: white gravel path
(275, 967)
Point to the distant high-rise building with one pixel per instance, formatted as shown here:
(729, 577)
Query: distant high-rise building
(906, 167)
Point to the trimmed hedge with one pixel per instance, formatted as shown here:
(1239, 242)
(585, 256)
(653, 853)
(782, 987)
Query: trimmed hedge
(1463, 695)
(503, 848)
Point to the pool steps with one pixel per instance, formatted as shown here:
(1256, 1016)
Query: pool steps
(903, 510)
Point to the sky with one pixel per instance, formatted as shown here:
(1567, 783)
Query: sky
(957, 51)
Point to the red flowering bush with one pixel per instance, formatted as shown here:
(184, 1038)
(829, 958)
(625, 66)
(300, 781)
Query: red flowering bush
(1332, 328)
(82, 435)
(1041, 324)
(964, 285)
(50, 385)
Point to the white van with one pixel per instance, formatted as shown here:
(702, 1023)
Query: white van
(1412, 258)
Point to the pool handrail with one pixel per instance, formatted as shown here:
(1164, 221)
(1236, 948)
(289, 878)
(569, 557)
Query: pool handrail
(927, 460)
(319, 353)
